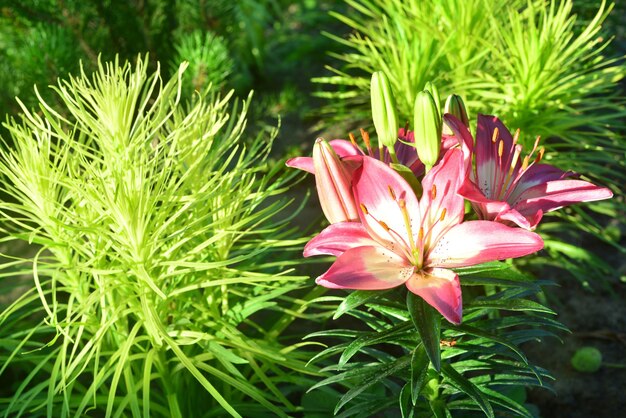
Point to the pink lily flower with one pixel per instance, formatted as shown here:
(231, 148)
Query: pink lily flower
(403, 240)
(507, 188)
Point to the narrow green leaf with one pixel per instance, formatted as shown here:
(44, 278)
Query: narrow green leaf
(373, 338)
(406, 403)
(419, 368)
(438, 407)
(511, 305)
(377, 374)
(356, 299)
(427, 322)
(467, 387)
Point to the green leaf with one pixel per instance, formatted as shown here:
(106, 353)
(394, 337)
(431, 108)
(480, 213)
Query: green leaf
(406, 403)
(511, 305)
(427, 321)
(373, 338)
(356, 299)
(408, 175)
(419, 368)
(375, 375)
(467, 387)
(438, 407)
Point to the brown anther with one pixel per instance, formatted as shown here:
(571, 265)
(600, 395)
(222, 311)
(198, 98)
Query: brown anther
(420, 234)
(384, 225)
(433, 192)
(542, 151)
(525, 163)
(406, 127)
(500, 148)
(364, 209)
(443, 215)
(494, 137)
(352, 139)
(536, 144)
(366, 137)
(516, 136)
(391, 192)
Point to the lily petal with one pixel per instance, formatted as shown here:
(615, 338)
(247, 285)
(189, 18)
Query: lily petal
(333, 182)
(445, 207)
(378, 190)
(344, 148)
(338, 238)
(553, 195)
(367, 268)
(440, 288)
(341, 147)
(302, 163)
(476, 242)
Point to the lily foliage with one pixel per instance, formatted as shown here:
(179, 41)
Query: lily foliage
(155, 247)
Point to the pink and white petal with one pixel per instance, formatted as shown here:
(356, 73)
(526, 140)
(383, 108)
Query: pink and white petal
(535, 175)
(492, 163)
(344, 148)
(440, 288)
(378, 189)
(553, 195)
(338, 238)
(367, 268)
(513, 217)
(302, 163)
(485, 147)
(441, 185)
(476, 242)
(462, 136)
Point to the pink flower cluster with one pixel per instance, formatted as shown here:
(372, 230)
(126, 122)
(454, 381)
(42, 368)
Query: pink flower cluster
(388, 228)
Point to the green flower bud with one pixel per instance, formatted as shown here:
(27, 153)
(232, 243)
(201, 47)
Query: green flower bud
(456, 107)
(587, 360)
(427, 128)
(384, 111)
(432, 89)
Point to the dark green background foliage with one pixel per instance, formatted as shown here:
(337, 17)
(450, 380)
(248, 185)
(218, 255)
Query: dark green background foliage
(41, 40)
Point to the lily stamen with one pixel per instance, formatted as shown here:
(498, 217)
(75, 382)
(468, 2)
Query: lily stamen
(366, 140)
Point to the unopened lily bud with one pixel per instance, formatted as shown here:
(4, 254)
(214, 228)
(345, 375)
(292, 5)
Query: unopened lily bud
(333, 182)
(456, 107)
(427, 129)
(432, 89)
(384, 110)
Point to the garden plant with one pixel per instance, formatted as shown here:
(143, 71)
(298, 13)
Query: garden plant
(174, 245)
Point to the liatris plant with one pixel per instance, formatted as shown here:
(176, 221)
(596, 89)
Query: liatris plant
(159, 241)
(395, 223)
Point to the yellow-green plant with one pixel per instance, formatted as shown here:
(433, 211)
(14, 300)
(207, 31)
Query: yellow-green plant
(160, 242)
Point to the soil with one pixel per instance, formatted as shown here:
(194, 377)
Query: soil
(597, 320)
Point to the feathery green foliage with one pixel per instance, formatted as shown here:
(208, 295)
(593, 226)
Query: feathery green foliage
(209, 62)
(402, 362)
(160, 242)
